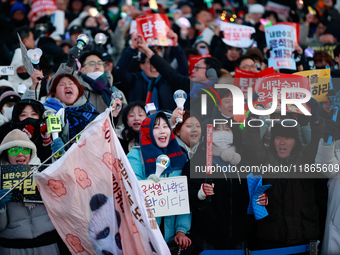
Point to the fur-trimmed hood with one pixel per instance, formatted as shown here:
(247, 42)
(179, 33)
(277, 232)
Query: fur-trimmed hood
(17, 138)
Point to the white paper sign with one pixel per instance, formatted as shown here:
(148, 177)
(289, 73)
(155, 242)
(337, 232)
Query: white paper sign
(280, 39)
(278, 8)
(6, 70)
(168, 197)
(237, 35)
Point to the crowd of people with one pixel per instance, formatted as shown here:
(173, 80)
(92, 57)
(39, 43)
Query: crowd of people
(77, 85)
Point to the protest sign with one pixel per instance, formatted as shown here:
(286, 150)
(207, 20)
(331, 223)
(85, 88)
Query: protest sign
(278, 8)
(237, 35)
(280, 40)
(6, 70)
(264, 87)
(154, 28)
(41, 8)
(245, 79)
(168, 197)
(329, 48)
(98, 190)
(26, 191)
(193, 60)
(320, 82)
(296, 29)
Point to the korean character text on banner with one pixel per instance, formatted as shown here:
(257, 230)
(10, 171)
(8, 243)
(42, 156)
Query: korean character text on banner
(154, 28)
(319, 80)
(237, 35)
(280, 39)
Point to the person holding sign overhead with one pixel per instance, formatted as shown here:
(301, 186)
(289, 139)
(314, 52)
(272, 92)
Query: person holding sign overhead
(25, 228)
(156, 138)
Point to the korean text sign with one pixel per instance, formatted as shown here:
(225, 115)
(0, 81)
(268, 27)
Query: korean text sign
(319, 81)
(280, 39)
(237, 35)
(193, 60)
(265, 86)
(11, 175)
(168, 197)
(244, 79)
(154, 29)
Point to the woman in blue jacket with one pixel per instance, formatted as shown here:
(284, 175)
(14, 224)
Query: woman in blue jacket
(143, 161)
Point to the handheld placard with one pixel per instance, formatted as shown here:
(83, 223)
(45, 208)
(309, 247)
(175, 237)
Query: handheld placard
(180, 97)
(162, 163)
(53, 124)
(334, 105)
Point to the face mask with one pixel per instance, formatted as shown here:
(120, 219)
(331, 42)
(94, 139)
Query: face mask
(223, 139)
(28, 121)
(94, 75)
(188, 16)
(8, 112)
(23, 76)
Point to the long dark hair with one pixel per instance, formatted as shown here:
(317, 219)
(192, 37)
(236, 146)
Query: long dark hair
(128, 134)
(20, 106)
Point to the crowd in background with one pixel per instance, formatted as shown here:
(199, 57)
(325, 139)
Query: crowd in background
(77, 85)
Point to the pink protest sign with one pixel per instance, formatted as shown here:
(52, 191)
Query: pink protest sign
(265, 85)
(154, 29)
(93, 189)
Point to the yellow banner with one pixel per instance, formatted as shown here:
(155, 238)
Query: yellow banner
(319, 81)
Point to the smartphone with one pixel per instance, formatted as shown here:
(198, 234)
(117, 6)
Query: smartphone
(202, 50)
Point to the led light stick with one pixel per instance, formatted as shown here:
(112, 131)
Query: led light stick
(180, 97)
(162, 163)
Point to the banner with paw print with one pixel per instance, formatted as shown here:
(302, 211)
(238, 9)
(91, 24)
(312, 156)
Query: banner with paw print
(94, 199)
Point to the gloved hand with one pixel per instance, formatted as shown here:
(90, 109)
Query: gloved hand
(56, 145)
(331, 128)
(205, 190)
(46, 137)
(29, 130)
(73, 53)
(154, 178)
(297, 58)
(314, 108)
(6, 198)
(255, 96)
(230, 155)
(262, 199)
(266, 56)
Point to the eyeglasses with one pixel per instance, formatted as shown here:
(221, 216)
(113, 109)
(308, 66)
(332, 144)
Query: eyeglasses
(93, 63)
(16, 150)
(198, 67)
(249, 67)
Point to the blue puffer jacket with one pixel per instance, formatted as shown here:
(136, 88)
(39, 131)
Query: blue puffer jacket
(172, 224)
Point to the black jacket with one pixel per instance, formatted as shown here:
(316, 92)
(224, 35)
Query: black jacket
(135, 87)
(221, 222)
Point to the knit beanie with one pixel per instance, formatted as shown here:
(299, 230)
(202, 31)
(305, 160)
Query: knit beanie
(9, 96)
(18, 6)
(17, 138)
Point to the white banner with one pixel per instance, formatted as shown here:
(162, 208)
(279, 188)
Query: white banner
(94, 199)
(168, 197)
(237, 35)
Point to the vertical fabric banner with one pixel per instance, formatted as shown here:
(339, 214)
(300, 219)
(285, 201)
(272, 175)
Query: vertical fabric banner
(280, 39)
(94, 199)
